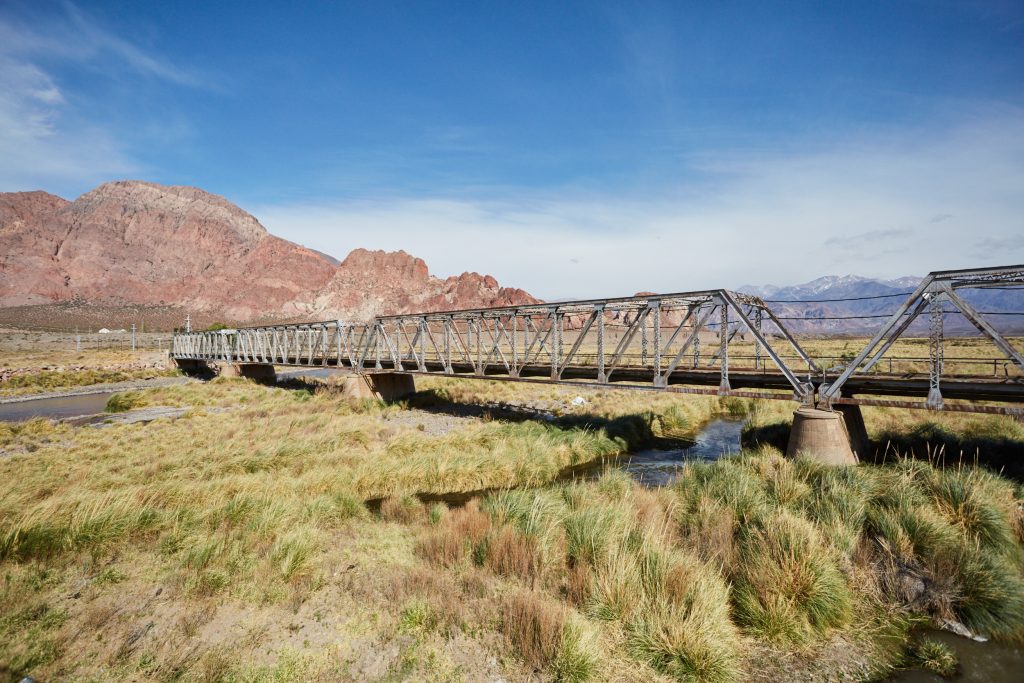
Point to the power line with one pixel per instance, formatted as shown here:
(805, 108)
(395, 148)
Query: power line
(876, 296)
(886, 315)
(823, 301)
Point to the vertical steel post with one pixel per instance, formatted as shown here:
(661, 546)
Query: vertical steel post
(479, 328)
(723, 348)
(556, 324)
(696, 340)
(757, 341)
(935, 350)
(448, 322)
(643, 341)
(656, 307)
(515, 345)
(601, 377)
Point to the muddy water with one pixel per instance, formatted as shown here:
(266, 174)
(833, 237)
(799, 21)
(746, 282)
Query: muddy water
(54, 408)
(979, 662)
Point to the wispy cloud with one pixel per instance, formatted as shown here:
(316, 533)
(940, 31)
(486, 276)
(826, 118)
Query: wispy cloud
(870, 240)
(765, 218)
(44, 142)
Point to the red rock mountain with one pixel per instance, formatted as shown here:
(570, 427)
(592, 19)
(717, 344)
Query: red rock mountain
(133, 242)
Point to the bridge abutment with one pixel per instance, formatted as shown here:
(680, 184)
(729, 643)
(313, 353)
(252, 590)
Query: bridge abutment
(822, 436)
(194, 368)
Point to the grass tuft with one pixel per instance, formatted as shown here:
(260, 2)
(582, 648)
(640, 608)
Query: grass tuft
(934, 656)
(124, 401)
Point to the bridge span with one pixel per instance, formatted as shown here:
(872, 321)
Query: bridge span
(705, 342)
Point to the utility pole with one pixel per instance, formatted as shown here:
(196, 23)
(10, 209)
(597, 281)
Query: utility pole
(133, 337)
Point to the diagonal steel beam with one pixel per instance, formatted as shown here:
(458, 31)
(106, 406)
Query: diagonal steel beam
(984, 327)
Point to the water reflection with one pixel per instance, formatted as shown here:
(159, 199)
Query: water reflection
(54, 408)
(979, 662)
(719, 437)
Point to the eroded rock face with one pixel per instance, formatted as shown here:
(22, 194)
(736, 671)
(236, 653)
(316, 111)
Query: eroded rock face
(30, 236)
(133, 242)
(369, 283)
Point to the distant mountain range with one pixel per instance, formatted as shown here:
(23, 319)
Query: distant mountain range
(852, 304)
(131, 250)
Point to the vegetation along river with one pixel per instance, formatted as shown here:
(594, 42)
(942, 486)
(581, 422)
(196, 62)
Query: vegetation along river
(990, 662)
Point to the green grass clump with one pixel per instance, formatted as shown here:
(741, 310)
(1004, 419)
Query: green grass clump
(683, 627)
(934, 656)
(789, 586)
(124, 401)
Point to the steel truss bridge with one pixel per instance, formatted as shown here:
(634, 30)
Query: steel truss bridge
(707, 342)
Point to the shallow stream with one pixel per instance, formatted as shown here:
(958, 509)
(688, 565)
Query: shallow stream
(57, 408)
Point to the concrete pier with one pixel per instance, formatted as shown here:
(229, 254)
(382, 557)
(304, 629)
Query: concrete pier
(820, 435)
(259, 372)
(385, 386)
(853, 420)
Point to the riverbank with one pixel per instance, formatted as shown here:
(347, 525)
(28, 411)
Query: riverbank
(233, 543)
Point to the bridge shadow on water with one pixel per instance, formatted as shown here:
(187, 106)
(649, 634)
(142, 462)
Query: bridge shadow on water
(929, 441)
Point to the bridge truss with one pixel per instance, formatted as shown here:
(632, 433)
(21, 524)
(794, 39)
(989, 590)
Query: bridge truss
(712, 342)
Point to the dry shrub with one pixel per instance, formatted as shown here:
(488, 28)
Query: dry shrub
(653, 513)
(578, 582)
(402, 509)
(470, 522)
(442, 548)
(214, 666)
(403, 584)
(711, 531)
(192, 620)
(513, 553)
(476, 583)
(458, 531)
(438, 594)
(534, 626)
(98, 613)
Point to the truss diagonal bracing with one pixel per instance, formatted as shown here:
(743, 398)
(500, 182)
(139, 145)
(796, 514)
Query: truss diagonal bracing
(937, 292)
(650, 342)
(712, 342)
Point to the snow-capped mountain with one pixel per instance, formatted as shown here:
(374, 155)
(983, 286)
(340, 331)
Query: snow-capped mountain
(858, 305)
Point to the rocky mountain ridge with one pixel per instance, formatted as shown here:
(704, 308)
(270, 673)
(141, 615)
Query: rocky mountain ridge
(140, 243)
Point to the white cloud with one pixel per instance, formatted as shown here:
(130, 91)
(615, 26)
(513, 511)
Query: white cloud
(864, 206)
(41, 146)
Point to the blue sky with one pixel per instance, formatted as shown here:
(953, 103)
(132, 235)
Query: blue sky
(573, 149)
